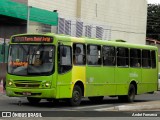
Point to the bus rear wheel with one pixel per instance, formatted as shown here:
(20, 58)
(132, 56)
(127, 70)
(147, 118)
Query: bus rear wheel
(131, 94)
(97, 99)
(76, 96)
(33, 100)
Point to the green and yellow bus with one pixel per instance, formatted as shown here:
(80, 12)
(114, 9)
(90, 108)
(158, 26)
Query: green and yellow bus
(53, 67)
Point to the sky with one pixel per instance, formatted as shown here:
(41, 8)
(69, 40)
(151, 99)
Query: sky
(153, 1)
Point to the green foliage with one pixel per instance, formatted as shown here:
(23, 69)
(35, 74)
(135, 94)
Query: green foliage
(153, 21)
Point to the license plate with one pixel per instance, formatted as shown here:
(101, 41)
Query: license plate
(26, 93)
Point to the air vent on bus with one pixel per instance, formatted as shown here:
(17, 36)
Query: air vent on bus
(117, 40)
(120, 40)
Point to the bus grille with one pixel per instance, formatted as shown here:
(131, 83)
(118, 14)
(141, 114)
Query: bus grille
(27, 84)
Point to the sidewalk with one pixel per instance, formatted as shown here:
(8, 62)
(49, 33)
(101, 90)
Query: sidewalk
(143, 106)
(140, 106)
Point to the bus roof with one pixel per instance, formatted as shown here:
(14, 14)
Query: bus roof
(120, 43)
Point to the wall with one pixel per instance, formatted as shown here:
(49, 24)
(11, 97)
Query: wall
(127, 18)
(65, 7)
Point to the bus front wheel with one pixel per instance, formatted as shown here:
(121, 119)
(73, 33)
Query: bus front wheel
(33, 100)
(131, 94)
(76, 96)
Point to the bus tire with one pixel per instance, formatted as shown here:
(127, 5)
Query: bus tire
(130, 96)
(131, 93)
(33, 100)
(97, 99)
(76, 96)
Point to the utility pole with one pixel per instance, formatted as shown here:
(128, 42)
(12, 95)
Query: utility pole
(28, 16)
(4, 57)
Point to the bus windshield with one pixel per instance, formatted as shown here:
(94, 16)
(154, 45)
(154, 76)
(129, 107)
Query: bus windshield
(30, 59)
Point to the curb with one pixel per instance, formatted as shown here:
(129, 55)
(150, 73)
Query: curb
(144, 106)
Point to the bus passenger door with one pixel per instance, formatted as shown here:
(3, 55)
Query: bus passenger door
(122, 71)
(135, 68)
(64, 78)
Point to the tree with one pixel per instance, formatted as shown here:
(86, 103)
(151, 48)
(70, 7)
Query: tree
(153, 21)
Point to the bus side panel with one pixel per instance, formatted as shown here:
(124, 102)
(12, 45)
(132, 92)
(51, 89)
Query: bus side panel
(100, 81)
(79, 74)
(122, 80)
(154, 80)
(64, 85)
(135, 75)
(149, 80)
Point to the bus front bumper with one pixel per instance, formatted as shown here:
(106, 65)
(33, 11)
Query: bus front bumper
(39, 93)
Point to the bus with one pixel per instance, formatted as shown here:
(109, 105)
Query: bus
(60, 67)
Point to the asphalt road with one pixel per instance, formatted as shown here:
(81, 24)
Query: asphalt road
(14, 103)
(86, 107)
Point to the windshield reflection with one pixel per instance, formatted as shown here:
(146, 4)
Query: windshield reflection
(31, 59)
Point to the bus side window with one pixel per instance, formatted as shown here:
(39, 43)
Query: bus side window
(108, 56)
(64, 58)
(146, 59)
(135, 58)
(94, 55)
(122, 57)
(153, 59)
(79, 54)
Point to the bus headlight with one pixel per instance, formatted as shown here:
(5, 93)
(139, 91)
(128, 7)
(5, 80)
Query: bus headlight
(46, 84)
(10, 83)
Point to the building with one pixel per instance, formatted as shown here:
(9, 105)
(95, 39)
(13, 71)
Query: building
(126, 19)
(116, 19)
(14, 13)
(103, 19)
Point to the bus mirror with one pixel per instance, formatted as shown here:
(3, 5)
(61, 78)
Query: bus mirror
(64, 51)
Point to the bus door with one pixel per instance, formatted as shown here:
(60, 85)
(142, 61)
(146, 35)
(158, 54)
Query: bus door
(122, 71)
(149, 71)
(135, 68)
(79, 63)
(64, 78)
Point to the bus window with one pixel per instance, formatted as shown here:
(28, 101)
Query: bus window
(64, 61)
(153, 59)
(108, 56)
(30, 59)
(122, 57)
(79, 54)
(146, 59)
(135, 58)
(94, 55)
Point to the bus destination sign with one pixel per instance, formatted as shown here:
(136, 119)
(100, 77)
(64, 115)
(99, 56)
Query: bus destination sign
(32, 39)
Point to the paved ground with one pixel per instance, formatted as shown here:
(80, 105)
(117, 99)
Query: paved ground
(136, 106)
(153, 105)
(143, 104)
